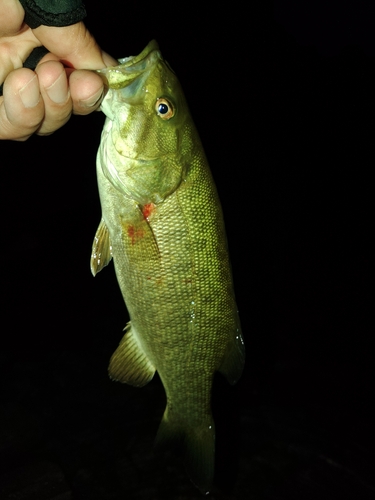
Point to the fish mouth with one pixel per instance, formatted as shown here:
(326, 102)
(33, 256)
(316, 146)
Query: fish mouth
(131, 61)
(132, 67)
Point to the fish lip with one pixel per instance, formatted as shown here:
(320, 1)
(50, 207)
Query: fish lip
(133, 61)
(130, 68)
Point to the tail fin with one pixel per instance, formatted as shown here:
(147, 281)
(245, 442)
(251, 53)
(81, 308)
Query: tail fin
(198, 447)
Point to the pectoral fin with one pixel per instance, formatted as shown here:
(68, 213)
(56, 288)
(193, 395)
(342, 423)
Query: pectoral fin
(129, 363)
(101, 253)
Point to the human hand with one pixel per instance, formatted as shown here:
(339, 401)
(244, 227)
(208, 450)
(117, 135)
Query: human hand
(43, 100)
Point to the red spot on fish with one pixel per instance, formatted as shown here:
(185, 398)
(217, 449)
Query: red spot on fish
(147, 210)
(135, 234)
(131, 233)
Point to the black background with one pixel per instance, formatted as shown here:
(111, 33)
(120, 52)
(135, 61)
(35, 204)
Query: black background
(283, 99)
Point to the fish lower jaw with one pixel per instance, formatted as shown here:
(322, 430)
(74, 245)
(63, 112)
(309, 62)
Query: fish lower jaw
(137, 158)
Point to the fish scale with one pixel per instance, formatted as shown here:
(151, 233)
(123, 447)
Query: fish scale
(162, 224)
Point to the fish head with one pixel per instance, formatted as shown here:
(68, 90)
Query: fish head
(148, 127)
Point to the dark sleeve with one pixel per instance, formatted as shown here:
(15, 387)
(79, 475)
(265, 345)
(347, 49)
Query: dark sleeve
(53, 12)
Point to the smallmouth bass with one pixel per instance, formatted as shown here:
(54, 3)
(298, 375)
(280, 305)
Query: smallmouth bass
(162, 223)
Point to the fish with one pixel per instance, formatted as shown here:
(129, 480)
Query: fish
(162, 224)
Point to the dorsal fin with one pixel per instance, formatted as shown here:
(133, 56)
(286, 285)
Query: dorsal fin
(234, 358)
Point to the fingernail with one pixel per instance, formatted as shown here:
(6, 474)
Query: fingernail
(108, 60)
(29, 93)
(93, 100)
(58, 91)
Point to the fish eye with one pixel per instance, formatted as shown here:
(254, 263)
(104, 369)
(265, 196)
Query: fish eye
(164, 108)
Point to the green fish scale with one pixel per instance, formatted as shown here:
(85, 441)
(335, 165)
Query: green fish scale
(174, 273)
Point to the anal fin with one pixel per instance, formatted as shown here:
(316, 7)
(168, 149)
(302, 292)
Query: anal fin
(129, 363)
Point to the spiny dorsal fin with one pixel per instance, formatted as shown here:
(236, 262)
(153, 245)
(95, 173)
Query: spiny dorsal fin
(101, 253)
(129, 364)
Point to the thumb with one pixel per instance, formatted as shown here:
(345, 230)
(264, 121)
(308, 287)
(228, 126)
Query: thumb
(74, 46)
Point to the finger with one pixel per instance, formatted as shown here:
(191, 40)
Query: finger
(11, 18)
(21, 108)
(54, 88)
(87, 90)
(14, 50)
(75, 45)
